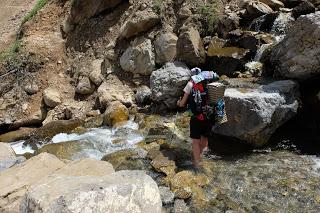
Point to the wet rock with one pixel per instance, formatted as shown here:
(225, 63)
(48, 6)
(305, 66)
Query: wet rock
(17, 135)
(190, 47)
(255, 113)
(274, 4)
(63, 150)
(95, 75)
(116, 112)
(129, 159)
(51, 97)
(168, 82)
(163, 164)
(25, 175)
(167, 196)
(254, 68)
(131, 191)
(114, 90)
(141, 21)
(85, 87)
(225, 60)
(185, 184)
(296, 55)
(303, 8)
(180, 206)
(84, 9)
(55, 127)
(139, 58)
(165, 47)
(143, 95)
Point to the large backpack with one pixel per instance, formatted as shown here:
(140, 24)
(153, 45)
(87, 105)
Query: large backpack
(199, 100)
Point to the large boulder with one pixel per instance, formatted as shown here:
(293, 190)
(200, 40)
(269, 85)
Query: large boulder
(16, 135)
(85, 87)
(143, 95)
(190, 47)
(141, 21)
(256, 111)
(274, 4)
(256, 9)
(296, 56)
(168, 82)
(139, 57)
(115, 113)
(124, 191)
(16, 180)
(166, 48)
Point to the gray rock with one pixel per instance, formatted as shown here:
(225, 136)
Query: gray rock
(167, 196)
(168, 82)
(31, 88)
(85, 87)
(139, 58)
(166, 48)
(6, 164)
(180, 206)
(190, 47)
(141, 21)
(95, 75)
(51, 97)
(7, 156)
(296, 56)
(123, 191)
(255, 113)
(255, 9)
(143, 94)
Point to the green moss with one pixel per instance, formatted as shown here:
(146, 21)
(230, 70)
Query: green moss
(39, 5)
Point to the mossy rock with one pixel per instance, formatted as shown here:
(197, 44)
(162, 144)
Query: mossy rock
(20, 134)
(126, 160)
(63, 150)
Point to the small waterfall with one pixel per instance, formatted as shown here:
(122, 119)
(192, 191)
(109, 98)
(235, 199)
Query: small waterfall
(281, 24)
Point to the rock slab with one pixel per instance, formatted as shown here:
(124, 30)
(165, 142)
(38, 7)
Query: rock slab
(255, 113)
(124, 191)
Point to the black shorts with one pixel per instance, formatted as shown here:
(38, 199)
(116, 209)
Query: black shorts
(199, 128)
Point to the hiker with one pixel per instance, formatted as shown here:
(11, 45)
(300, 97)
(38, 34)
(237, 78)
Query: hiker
(201, 122)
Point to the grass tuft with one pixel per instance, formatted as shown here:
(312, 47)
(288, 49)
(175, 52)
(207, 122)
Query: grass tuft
(210, 13)
(11, 51)
(157, 6)
(39, 5)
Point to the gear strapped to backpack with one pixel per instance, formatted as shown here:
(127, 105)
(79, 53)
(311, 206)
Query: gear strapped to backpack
(199, 101)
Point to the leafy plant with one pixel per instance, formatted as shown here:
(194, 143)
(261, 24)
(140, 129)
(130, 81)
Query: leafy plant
(39, 5)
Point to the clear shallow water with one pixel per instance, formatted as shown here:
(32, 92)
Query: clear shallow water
(95, 143)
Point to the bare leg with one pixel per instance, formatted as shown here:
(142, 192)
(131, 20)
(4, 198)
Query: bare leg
(196, 150)
(203, 143)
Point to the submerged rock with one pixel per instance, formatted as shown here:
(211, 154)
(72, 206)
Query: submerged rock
(255, 113)
(124, 191)
(63, 150)
(168, 82)
(296, 56)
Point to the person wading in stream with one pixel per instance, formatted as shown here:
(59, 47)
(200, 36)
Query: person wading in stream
(202, 119)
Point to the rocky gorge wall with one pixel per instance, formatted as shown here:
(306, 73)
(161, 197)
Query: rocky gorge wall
(85, 58)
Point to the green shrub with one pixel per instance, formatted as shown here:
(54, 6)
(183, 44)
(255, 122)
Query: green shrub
(157, 6)
(210, 13)
(11, 51)
(39, 5)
